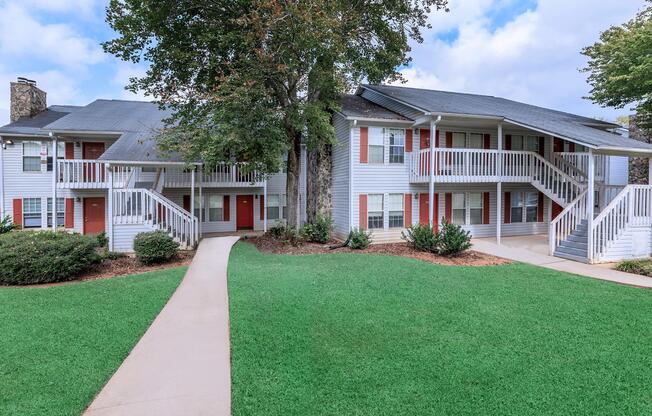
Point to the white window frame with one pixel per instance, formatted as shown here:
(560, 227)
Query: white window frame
(274, 203)
(30, 156)
(61, 212)
(398, 134)
(467, 207)
(61, 154)
(376, 141)
(220, 199)
(376, 211)
(523, 206)
(531, 139)
(395, 211)
(30, 212)
(470, 207)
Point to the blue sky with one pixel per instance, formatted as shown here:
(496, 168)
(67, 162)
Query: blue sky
(526, 50)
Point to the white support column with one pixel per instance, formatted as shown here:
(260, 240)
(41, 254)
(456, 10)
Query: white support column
(431, 183)
(109, 169)
(590, 203)
(201, 199)
(54, 181)
(499, 186)
(192, 200)
(649, 172)
(2, 179)
(265, 206)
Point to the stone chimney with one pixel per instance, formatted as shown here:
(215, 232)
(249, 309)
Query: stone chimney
(27, 100)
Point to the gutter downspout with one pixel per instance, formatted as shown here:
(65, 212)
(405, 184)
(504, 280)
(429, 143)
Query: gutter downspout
(431, 185)
(54, 180)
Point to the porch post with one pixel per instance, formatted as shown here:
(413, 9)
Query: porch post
(2, 179)
(265, 206)
(649, 172)
(590, 203)
(54, 181)
(499, 185)
(431, 183)
(201, 198)
(110, 205)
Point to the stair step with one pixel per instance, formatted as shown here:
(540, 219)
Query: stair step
(572, 251)
(578, 238)
(582, 245)
(571, 257)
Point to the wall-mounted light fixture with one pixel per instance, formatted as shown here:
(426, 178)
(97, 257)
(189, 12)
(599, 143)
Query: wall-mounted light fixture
(77, 199)
(77, 144)
(416, 195)
(9, 142)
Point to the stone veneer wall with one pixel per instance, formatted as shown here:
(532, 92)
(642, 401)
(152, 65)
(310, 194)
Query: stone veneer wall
(27, 100)
(638, 166)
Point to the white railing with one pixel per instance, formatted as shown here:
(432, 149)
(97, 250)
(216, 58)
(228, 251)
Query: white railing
(142, 206)
(631, 207)
(559, 186)
(90, 174)
(233, 175)
(568, 168)
(580, 160)
(567, 221)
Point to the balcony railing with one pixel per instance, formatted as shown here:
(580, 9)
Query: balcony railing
(89, 174)
(231, 176)
(576, 164)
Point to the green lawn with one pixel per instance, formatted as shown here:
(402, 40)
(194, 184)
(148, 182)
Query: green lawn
(59, 345)
(348, 334)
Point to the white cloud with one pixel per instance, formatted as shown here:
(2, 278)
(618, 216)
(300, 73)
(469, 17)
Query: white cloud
(83, 8)
(534, 58)
(124, 72)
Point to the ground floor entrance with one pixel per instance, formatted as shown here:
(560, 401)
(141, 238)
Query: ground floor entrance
(94, 213)
(244, 212)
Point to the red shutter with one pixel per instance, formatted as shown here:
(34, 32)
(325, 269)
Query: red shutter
(487, 141)
(70, 150)
(540, 208)
(542, 146)
(69, 217)
(557, 145)
(363, 211)
(226, 205)
(424, 139)
(449, 139)
(448, 206)
(18, 212)
(556, 209)
(408, 140)
(186, 202)
(437, 138)
(571, 147)
(508, 142)
(364, 145)
(407, 208)
(507, 209)
(262, 207)
(485, 208)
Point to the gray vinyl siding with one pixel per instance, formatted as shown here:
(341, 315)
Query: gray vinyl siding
(617, 171)
(341, 178)
(124, 234)
(388, 103)
(634, 242)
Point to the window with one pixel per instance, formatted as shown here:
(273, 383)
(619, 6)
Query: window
(376, 145)
(531, 206)
(459, 140)
(459, 209)
(197, 207)
(375, 211)
(283, 203)
(525, 207)
(148, 169)
(531, 144)
(476, 141)
(475, 208)
(273, 207)
(396, 145)
(517, 207)
(517, 142)
(32, 212)
(61, 154)
(216, 207)
(31, 157)
(396, 211)
(61, 216)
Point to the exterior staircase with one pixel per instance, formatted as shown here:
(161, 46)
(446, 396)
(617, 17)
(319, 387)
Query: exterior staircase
(575, 246)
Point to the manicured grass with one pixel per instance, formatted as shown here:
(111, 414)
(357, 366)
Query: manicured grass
(348, 334)
(60, 344)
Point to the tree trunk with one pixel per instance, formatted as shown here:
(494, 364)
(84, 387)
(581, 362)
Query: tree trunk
(293, 172)
(319, 181)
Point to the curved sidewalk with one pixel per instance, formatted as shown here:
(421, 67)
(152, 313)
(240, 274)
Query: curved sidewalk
(181, 366)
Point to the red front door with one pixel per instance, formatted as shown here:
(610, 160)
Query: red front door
(424, 215)
(92, 151)
(94, 215)
(244, 212)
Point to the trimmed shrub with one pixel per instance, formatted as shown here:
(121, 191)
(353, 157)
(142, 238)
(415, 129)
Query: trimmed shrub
(155, 247)
(32, 257)
(113, 255)
(642, 267)
(286, 234)
(102, 240)
(422, 237)
(7, 225)
(453, 240)
(277, 231)
(318, 231)
(359, 239)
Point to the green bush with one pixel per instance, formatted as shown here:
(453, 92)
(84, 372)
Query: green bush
(287, 234)
(6, 225)
(453, 240)
(318, 231)
(359, 239)
(102, 240)
(642, 267)
(422, 238)
(112, 255)
(31, 257)
(155, 247)
(277, 231)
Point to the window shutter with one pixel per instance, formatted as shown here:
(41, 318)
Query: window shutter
(186, 203)
(364, 145)
(70, 150)
(448, 206)
(437, 138)
(571, 147)
(449, 140)
(557, 145)
(407, 210)
(485, 208)
(556, 209)
(69, 217)
(226, 209)
(508, 142)
(542, 146)
(424, 139)
(487, 141)
(408, 140)
(540, 208)
(363, 211)
(262, 207)
(18, 212)
(508, 208)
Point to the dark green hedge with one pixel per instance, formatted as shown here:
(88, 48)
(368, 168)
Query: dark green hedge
(155, 247)
(29, 257)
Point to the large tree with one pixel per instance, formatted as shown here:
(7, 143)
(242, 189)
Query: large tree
(251, 80)
(620, 67)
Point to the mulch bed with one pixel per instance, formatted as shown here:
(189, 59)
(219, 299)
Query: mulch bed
(268, 244)
(129, 265)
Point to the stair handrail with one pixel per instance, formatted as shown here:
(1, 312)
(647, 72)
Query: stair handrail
(187, 229)
(576, 172)
(567, 193)
(567, 221)
(608, 225)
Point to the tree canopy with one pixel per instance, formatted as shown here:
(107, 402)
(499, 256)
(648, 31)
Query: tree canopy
(620, 67)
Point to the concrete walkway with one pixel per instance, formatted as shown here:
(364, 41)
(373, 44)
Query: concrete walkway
(534, 249)
(181, 366)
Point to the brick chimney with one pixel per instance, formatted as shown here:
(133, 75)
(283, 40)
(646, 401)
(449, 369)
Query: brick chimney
(27, 100)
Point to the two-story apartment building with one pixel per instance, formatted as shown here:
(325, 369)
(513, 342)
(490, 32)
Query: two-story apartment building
(403, 156)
